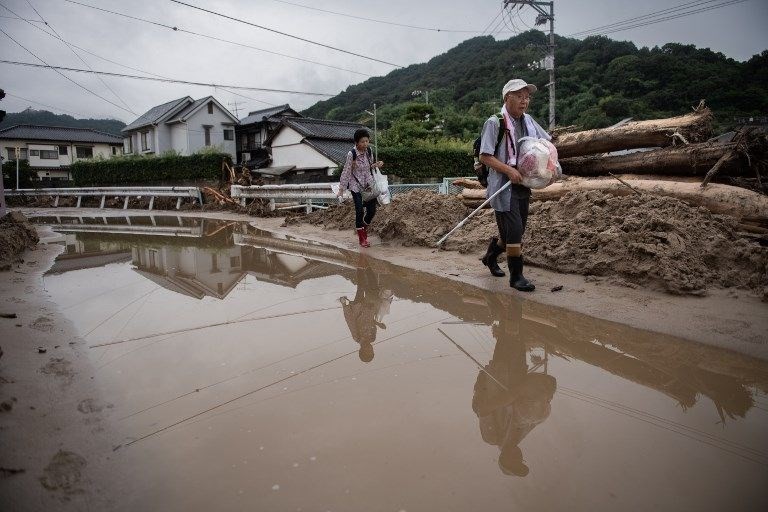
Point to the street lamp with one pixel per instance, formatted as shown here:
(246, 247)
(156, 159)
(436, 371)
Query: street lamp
(375, 129)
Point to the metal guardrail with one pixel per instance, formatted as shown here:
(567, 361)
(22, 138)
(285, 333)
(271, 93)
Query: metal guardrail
(104, 192)
(307, 195)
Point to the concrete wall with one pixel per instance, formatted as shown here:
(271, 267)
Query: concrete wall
(217, 122)
(179, 138)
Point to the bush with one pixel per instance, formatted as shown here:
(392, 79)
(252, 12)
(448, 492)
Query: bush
(27, 177)
(413, 164)
(147, 169)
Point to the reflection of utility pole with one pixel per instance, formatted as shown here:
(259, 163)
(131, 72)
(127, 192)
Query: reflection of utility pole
(375, 144)
(234, 106)
(549, 61)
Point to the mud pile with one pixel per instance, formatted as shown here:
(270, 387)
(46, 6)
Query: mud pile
(16, 235)
(649, 241)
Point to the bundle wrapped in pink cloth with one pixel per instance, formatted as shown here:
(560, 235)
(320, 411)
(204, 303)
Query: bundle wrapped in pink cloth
(538, 162)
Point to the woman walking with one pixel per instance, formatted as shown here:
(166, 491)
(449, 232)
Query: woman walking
(356, 177)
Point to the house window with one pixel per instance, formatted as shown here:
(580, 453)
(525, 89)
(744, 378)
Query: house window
(34, 152)
(62, 150)
(129, 145)
(215, 264)
(210, 107)
(207, 135)
(12, 154)
(144, 144)
(229, 134)
(49, 154)
(114, 150)
(84, 152)
(234, 261)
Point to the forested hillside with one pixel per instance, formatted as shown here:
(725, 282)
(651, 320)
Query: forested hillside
(45, 118)
(599, 82)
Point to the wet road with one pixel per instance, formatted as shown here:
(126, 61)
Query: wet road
(246, 371)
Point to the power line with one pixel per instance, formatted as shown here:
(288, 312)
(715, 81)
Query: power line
(214, 38)
(347, 15)
(688, 8)
(44, 105)
(71, 49)
(141, 70)
(166, 80)
(492, 20)
(285, 34)
(60, 73)
(733, 2)
(645, 16)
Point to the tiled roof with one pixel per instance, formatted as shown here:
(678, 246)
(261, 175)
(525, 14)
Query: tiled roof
(189, 108)
(58, 134)
(258, 115)
(336, 150)
(323, 129)
(152, 115)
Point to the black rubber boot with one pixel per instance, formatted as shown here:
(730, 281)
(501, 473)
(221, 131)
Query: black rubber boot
(490, 259)
(516, 278)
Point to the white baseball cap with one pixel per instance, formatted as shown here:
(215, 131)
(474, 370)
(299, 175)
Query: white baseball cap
(515, 85)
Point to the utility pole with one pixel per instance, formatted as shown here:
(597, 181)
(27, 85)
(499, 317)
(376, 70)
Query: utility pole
(549, 61)
(375, 129)
(18, 157)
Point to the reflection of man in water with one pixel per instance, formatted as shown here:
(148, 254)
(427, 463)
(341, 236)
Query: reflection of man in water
(511, 401)
(365, 312)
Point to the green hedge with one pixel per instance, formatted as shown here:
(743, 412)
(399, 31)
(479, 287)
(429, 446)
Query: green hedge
(132, 170)
(414, 164)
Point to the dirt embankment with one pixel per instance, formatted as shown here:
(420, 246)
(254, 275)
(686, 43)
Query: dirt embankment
(647, 241)
(16, 235)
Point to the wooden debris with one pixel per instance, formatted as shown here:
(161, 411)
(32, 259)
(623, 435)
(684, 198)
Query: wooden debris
(725, 199)
(694, 127)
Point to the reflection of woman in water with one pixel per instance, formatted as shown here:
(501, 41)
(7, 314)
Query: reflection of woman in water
(365, 312)
(510, 401)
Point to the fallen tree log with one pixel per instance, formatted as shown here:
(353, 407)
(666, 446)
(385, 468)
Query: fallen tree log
(690, 160)
(690, 128)
(735, 201)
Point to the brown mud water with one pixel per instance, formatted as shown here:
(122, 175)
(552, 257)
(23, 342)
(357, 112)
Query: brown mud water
(237, 369)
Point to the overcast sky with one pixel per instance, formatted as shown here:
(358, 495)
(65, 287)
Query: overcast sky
(737, 30)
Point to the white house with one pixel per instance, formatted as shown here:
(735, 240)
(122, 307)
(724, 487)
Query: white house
(50, 150)
(306, 150)
(183, 125)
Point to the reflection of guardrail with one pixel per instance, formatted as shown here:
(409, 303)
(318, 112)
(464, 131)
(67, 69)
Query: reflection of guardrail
(188, 231)
(295, 247)
(312, 195)
(104, 192)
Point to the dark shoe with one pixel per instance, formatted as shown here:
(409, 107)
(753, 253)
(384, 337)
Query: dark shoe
(490, 259)
(516, 278)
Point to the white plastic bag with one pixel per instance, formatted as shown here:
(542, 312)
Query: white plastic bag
(383, 185)
(537, 162)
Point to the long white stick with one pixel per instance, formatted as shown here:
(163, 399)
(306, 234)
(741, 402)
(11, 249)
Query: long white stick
(440, 242)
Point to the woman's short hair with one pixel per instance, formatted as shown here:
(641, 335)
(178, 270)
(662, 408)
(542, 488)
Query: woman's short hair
(362, 132)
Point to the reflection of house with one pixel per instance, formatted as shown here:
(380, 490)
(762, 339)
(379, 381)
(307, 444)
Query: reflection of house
(306, 150)
(193, 271)
(184, 126)
(50, 150)
(253, 131)
(82, 254)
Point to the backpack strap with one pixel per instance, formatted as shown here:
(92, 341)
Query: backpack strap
(502, 130)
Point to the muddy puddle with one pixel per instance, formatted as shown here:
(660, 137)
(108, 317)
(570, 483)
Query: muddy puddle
(245, 371)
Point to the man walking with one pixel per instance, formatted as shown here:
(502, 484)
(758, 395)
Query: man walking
(511, 205)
